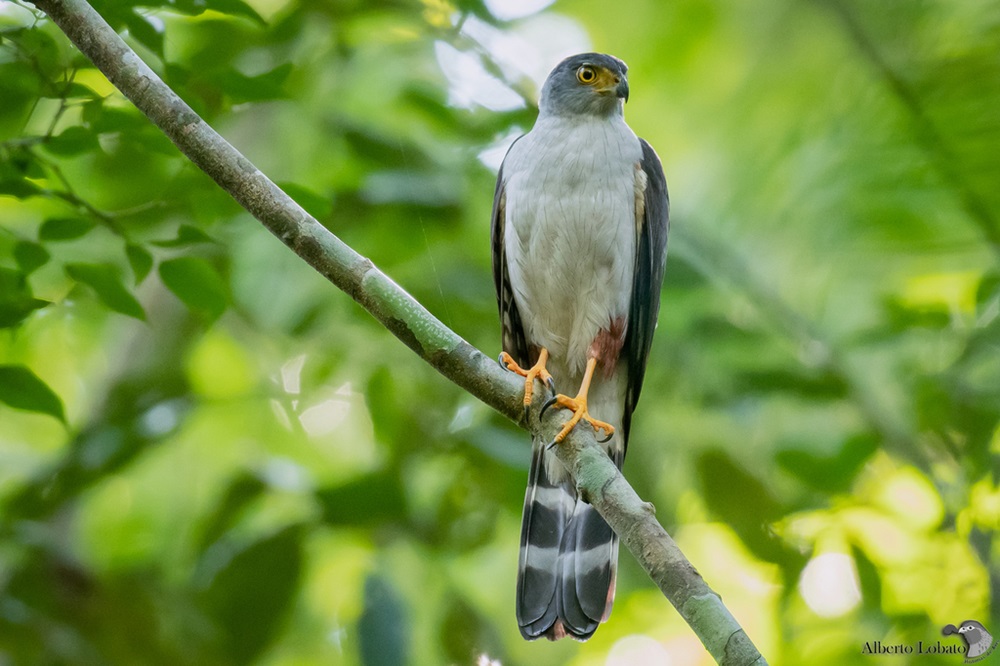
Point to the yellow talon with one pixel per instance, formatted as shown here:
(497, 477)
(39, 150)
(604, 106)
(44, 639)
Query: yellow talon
(537, 370)
(579, 407)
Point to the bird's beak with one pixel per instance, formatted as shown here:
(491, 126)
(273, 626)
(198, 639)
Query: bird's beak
(622, 89)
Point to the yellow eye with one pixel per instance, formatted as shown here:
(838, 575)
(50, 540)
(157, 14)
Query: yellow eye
(586, 74)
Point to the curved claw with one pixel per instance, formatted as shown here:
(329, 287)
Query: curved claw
(550, 445)
(606, 439)
(527, 411)
(548, 403)
(501, 363)
(551, 384)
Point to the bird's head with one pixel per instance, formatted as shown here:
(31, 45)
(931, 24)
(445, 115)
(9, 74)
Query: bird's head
(586, 84)
(969, 625)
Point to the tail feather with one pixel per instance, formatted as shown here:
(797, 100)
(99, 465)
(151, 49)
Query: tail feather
(569, 558)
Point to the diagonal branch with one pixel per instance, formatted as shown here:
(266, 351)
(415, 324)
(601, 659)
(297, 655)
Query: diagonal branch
(596, 476)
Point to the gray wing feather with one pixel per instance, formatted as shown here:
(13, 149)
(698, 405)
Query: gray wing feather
(513, 339)
(651, 258)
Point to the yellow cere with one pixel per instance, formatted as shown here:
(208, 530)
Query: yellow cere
(599, 77)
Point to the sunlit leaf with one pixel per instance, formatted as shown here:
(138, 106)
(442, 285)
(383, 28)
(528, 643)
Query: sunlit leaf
(196, 283)
(105, 280)
(22, 389)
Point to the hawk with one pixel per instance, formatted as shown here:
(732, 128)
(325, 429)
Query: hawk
(579, 237)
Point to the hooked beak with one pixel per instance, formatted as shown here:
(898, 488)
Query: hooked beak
(622, 89)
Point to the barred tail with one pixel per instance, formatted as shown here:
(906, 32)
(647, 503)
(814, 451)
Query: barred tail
(569, 559)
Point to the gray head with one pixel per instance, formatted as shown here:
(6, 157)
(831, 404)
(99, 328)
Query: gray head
(586, 84)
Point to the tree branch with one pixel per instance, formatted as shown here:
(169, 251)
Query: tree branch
(596, 476)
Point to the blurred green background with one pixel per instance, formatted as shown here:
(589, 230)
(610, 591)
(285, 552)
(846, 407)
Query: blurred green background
(208, 455)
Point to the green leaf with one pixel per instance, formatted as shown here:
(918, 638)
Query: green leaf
(145, 33)
(373, 499)
(16, 299)
(196, 283)
(70, 91)
(383, 628)
(64, 228)
(18, 188)
(186, 235)
(30, 256)
(73, 141)
(231, 7)
(741, 499)
(251, 594)
(241, 492)
(316, 205)
(235, 8)
(39, 47)
(463, 630)
(829, 473)
(140, 260)
(20, 388)
(802, 383)
(105, 280)
(263, 87)
(103, 118)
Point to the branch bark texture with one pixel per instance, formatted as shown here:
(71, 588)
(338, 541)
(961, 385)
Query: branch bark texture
(596, 476)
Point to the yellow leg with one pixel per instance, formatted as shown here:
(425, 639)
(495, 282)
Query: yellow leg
(579, 407)
(537, 370)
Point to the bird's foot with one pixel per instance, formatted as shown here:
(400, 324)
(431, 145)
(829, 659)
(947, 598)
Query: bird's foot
(578, 405)
(537, 370)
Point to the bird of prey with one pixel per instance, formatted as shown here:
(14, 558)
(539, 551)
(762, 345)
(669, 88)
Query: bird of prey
(579, 236)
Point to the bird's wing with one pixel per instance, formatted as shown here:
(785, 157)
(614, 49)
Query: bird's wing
(652, 224)
(513, 341)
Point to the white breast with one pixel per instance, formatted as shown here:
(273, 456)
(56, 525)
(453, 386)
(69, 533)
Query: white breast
(570, 230)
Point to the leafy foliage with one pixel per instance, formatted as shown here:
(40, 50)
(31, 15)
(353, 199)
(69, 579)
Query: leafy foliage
(245, 468)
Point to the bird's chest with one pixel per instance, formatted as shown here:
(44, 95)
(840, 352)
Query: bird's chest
(570, 237)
